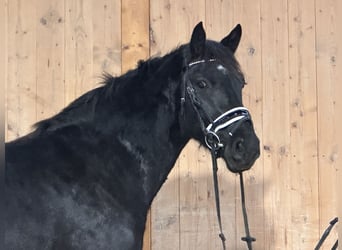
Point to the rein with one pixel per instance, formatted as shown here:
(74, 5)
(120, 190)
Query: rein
(214, 148)
(230, 119)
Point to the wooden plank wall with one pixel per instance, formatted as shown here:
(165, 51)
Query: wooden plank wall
(290, 53)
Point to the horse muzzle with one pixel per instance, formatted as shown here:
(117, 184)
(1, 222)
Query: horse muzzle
(232, 136)
(242, 154)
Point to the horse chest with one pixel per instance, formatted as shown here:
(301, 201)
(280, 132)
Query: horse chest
(66, 222)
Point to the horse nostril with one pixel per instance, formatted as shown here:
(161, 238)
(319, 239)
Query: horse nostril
(239, 146)
(238, 149)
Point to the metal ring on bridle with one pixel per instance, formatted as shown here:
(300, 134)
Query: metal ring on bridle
(214, 141)
(230, 119)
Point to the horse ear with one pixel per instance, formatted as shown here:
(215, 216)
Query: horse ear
(197, 43)
(233, 39)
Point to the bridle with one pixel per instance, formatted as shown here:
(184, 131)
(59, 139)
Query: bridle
(230, 121)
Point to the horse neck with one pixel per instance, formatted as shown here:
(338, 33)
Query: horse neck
(152, 136)
(156, 145)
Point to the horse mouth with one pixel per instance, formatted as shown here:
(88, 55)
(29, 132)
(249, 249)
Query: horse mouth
(239, 162)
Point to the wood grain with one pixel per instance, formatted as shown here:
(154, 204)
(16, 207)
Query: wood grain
(328, 120)
(54, 51)
(276, 121)
(3, 67)
(21, 98)
(303, 116)
(79, 74)
(135, 32)
(338, 108)
(50, 58)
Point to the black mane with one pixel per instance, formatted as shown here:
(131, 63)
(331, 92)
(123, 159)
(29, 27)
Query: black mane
(138, 89)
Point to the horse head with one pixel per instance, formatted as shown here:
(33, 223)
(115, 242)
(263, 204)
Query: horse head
(212, 100)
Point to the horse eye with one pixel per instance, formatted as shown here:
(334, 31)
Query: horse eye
(202, 84)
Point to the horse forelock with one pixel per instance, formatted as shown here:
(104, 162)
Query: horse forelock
(226, 57)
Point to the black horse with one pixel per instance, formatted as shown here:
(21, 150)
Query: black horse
(85, 178)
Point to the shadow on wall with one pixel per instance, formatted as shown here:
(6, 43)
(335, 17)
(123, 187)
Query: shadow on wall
(184, 213)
